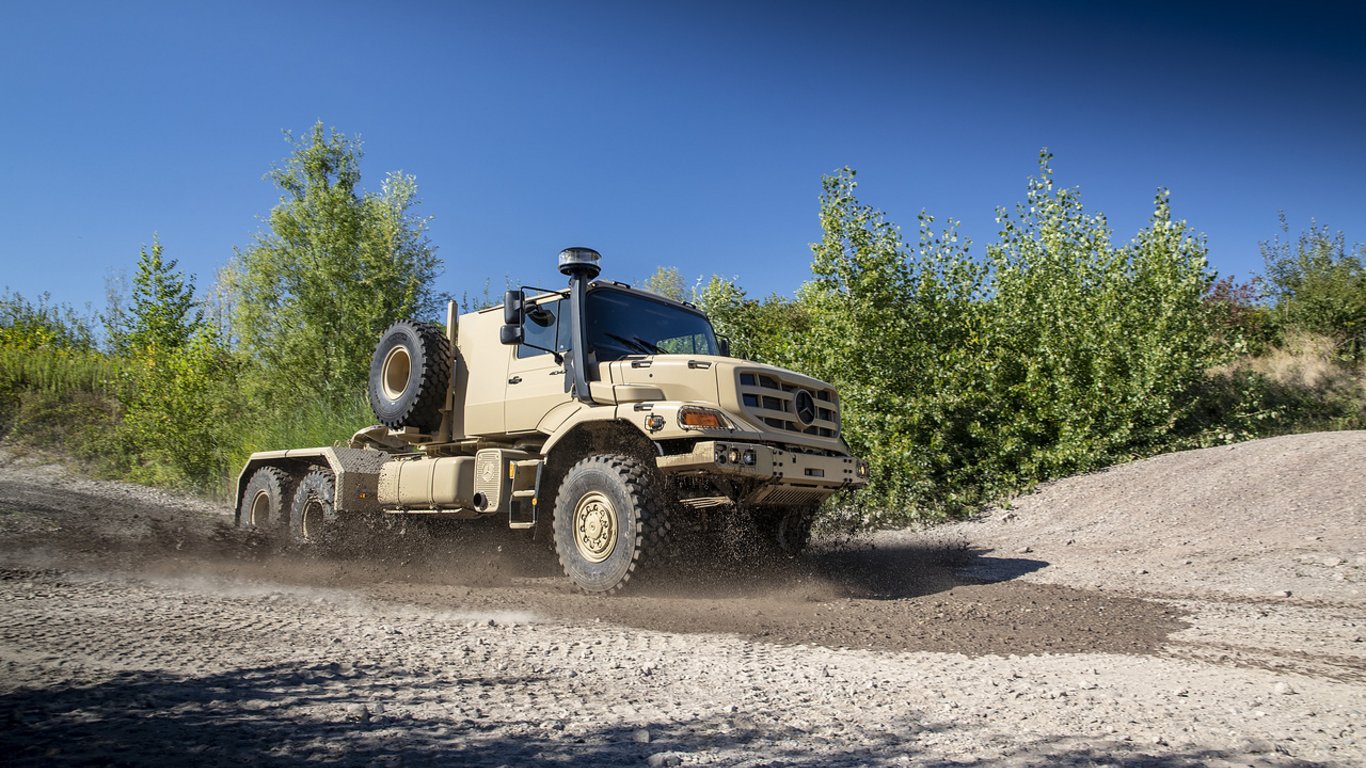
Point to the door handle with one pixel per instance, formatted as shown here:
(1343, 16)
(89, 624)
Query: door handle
(515, 380)
(559, 372)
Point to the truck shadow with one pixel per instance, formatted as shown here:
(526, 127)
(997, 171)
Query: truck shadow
(899, 571)
(863, 571)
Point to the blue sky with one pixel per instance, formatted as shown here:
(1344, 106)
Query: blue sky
(686, 134)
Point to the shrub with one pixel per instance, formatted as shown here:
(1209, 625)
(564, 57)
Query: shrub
(1319, 286)
(967, 379)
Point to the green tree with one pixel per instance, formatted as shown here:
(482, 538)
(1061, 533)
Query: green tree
(179, 380)
(338, 266)
(163, 311)
(666, 282)
(1319, 285)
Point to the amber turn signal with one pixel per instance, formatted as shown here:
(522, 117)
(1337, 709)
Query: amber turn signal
(700, 418)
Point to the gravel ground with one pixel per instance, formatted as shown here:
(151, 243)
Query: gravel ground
(1138, 616)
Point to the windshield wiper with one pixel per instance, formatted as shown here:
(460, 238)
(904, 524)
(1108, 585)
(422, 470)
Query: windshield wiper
(636, 343)
(649, 346)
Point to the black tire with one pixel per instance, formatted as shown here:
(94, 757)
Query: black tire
(609, 521)
(409, 375)
(265, 502)
(789, 529)
(313, 512)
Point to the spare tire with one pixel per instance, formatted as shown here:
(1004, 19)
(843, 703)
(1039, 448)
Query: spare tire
(409, 375)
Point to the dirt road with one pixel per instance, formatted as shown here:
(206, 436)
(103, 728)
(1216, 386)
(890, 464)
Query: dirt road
(1197, 609)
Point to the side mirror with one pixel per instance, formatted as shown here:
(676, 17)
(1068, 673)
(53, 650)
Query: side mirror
(514, 307)
(723, 344)
(511, 334)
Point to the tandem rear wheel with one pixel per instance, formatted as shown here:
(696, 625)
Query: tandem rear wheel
(264, 508)
(313, 511)
(287, 507)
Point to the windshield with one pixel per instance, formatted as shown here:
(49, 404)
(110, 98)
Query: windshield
(621, 324)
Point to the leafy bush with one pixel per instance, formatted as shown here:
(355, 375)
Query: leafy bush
(1095, 350)
(181, 412)
(1239, 322)
(1319, 286)
(966, 379)
(899, 331)
(765, 330)
(42, 325)
(55, 388)
(58, 371)
(1301, 385)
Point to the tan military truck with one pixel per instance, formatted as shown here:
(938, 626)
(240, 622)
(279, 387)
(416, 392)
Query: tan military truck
(619, 408)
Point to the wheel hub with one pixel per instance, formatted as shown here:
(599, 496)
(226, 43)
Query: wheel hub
(312, 519)
(595, 527)
(395, 371)
(260, 507)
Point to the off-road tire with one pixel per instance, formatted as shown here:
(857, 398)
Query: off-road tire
(313, 512)
(409, 375)
(788, 529)
(609, 521)
(264, 507)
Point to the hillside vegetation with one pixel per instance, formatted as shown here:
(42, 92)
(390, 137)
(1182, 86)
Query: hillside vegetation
(966, 376)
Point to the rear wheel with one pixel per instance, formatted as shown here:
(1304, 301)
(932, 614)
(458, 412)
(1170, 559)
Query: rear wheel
(609, 521)
(313, 513)
(265, 500)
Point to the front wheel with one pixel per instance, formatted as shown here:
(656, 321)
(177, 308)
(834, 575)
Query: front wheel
(609, 521)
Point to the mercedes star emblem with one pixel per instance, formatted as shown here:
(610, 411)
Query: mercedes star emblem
(806, 407)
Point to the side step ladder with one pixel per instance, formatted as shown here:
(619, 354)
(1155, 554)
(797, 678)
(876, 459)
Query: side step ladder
(526, 492)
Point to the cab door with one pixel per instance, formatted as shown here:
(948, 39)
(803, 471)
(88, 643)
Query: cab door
(535, 382)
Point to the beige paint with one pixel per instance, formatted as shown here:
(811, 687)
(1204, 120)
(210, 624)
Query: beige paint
(484, 366)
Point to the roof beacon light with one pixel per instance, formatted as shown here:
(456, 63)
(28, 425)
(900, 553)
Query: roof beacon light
(580, 262)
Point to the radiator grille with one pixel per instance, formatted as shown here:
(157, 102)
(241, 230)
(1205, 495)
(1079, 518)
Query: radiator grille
(774, 401)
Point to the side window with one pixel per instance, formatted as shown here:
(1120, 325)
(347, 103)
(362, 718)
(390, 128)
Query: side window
(542, 323)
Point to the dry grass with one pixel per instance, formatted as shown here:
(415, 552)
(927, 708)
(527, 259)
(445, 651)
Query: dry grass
(1302, 385)
(1311, 362)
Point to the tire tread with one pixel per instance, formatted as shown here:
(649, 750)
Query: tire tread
(434, 357)
(277, 481)
(648, 508)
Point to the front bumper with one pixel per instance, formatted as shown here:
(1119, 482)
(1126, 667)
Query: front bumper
(775, 468)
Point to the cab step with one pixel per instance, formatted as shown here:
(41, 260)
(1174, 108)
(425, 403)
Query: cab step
(525, 496)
